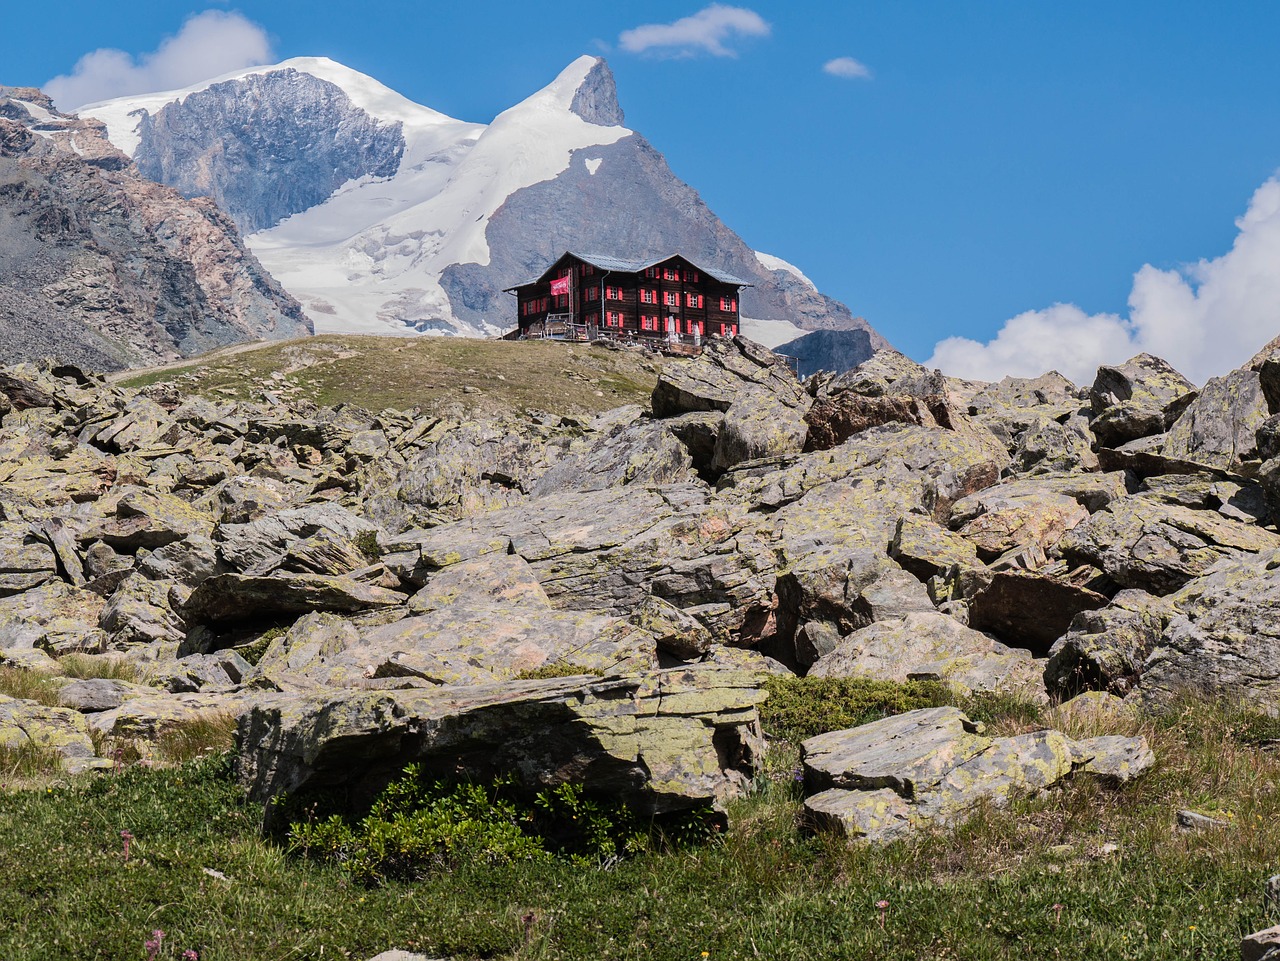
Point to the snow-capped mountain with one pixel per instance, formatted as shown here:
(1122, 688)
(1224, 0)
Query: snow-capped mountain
(383, 216)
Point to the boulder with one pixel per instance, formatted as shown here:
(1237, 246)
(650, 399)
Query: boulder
(1219, 428)
(505, 580)
(927, 549)
(1224, 639)
(658, 741)
(1037, 510)
(759, 426)
(1144, 543)
(151, 519)
(644, 453)
(54, 617)
(848, 588)
(608, 550)
(95, 694)
(885, 780)
(1027, 609)
(726, 372)
(1139, 398)
(1106, 648)
(1050, 392)
(25, 561)
(232, 598)
(140, 611)
(271, 542)
(675, 632)
(189, 561)
(1261, 945)
(834, 419)
(53, 728)
(935, 647)
(887, 373)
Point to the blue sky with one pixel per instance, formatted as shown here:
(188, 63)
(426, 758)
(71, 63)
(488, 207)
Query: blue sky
(975, 161)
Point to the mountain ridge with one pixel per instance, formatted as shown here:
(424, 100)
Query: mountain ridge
(470, 208)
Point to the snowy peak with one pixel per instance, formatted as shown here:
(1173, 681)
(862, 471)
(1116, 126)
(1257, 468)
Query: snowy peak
(383, 216)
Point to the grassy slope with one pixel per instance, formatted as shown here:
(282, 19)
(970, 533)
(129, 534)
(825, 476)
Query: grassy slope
(1001, 887)
(428, 372)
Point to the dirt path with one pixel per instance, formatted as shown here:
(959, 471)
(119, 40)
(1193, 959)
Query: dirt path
(218, 354)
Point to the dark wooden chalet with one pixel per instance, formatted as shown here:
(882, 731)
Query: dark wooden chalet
(669, 303)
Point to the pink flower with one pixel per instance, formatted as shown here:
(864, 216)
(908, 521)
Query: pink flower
(190, 955)
(883, 905)
(152, 947)
(126, 836)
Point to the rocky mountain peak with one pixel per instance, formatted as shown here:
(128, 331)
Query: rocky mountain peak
(597, 98)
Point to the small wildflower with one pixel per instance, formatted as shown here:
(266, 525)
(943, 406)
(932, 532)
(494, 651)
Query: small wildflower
(883, 905)
(126, 836)
(190, 955)
(153, 946)
(1057, 913)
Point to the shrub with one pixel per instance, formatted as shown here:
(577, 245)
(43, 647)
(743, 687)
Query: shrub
(800, 707)
(558, 669)
(417, 827)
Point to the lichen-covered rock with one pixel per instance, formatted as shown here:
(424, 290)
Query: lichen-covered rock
(1219, 428)
(887, 779)
(151, 519)
(675, 632)
(189, 561)
(848, 588)
(54, 617)
(727, 371)
(230, 598)
(1225, 637)
(25, 561)
(1157, 547)
(1026, 609)
(264, 545)
(756, 427)
(52, 728)
(1106, 648)
(608, 550)
(140, 611)
(1141, 397)
(935, 647)
(643, 453)
(659, 741)
(927, 549)
(834, 419)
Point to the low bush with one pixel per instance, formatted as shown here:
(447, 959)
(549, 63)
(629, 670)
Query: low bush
(800, 707)
(418, 826)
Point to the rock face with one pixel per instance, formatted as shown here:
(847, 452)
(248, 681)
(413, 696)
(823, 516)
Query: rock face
(884, 780)
(102, 267)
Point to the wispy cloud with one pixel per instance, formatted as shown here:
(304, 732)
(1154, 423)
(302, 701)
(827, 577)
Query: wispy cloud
(707, 31)
(209, 44)
(1205, 319)
(847, 68)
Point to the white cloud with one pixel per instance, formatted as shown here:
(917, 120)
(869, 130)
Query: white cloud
(706, 31)
(848, 68)
(1206, 318)
(209, 44)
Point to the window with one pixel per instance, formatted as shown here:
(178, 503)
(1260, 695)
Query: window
(651, 272)
(670, 273)
(561, 302)
(612, 318)
(591, 293)
(693, 300)
(648, 296)
(691, 276)
(672, 298)
(613, 293)
(728, 303)
(586, 270)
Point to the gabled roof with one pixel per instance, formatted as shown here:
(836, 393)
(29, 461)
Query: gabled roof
(602, 262)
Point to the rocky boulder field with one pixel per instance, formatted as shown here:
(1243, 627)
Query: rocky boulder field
(599, 601)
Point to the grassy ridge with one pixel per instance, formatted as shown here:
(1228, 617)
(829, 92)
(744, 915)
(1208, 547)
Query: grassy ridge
(1036, 880)
(483, 376)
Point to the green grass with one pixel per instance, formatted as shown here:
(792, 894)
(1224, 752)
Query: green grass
(29, 685)
(1031, 881)
(98, 666)
(432, 373)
